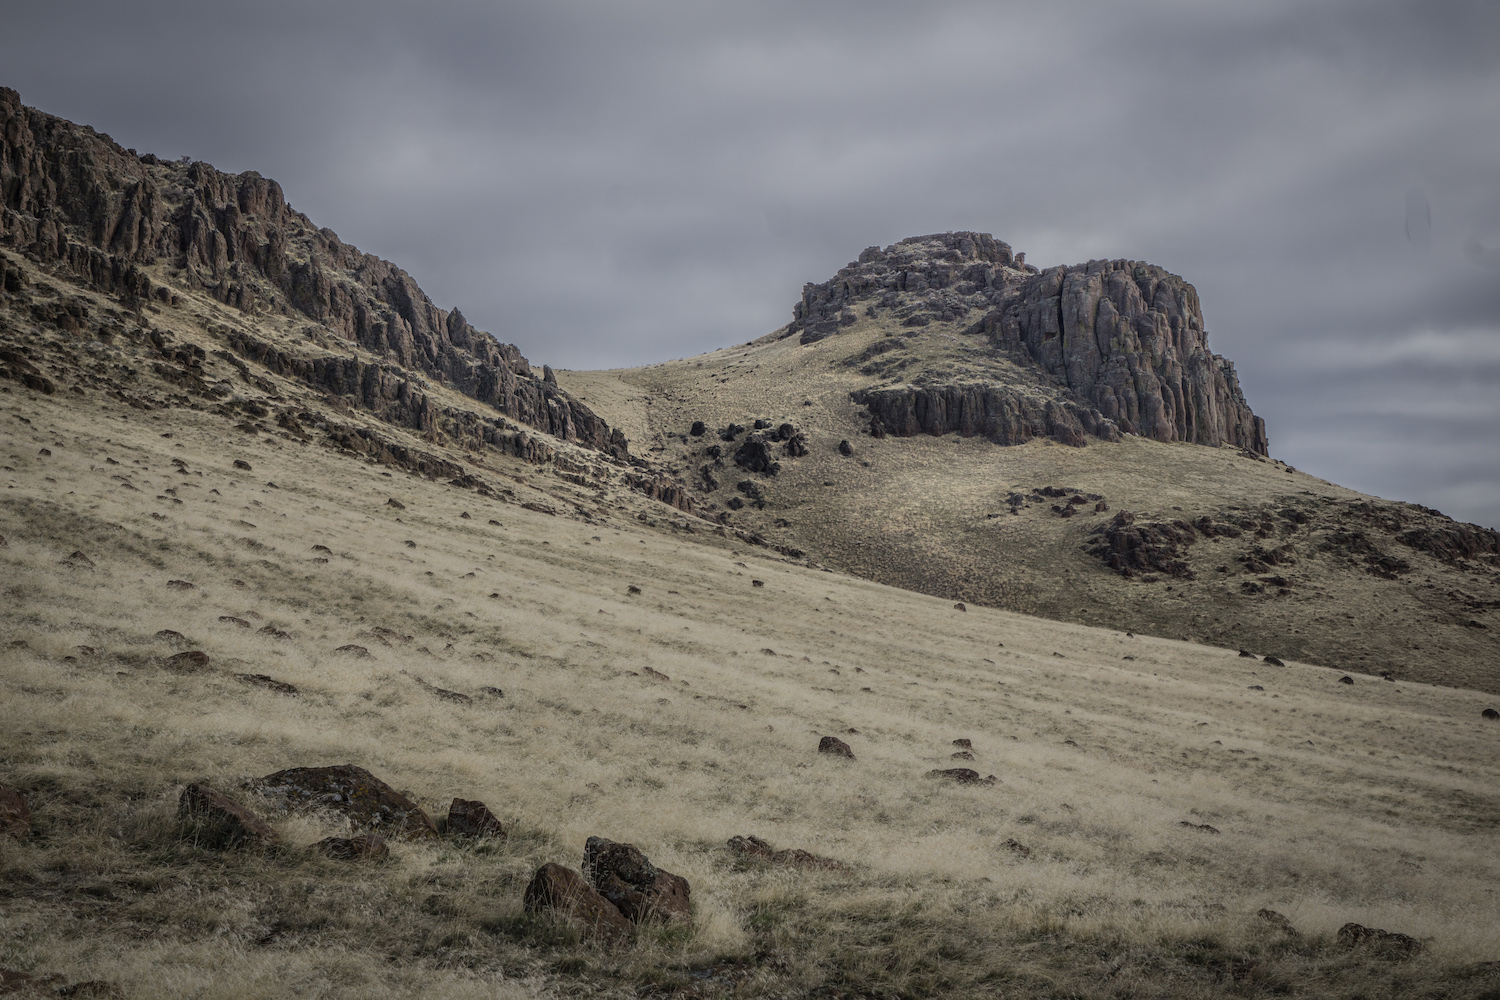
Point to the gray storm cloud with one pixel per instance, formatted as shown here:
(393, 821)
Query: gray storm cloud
(609, 184)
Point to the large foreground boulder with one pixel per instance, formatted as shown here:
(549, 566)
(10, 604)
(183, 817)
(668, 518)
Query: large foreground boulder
(218, 820)
(563, 891)
(353, 792)
(637, 888)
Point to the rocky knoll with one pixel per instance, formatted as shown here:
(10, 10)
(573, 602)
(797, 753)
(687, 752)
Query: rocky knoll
(72, 199)
(1120, 345)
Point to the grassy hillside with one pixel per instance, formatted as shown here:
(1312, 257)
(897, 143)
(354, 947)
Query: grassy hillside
(1372, 802)
(1290, 564)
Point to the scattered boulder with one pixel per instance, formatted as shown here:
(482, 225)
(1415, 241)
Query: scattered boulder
(79, 561)
(637, 888)
(698, 429)
(753, 847)
(757, 583)
(1274, 661)
(192, 659)
(358, 652)
(959, 607)
(1018, 847)
(179, 585)
(242, 465)
(1490, 714)
(654, 674)
(1247, 654)
(563, 891)
(965, 743)
(269, 683)
(961, 775)
(365, 847)
(962, 755)
(273, 632)
(1276, 920)
(1353, 935)
(1204, 827)
(171, 635)
(232, 620)
(355, 793)
(15, 814)
(472, 818)
(1346, 679)
(393, 502)
(836, 746)
(219, 821)
(845, 448)
(731, 432)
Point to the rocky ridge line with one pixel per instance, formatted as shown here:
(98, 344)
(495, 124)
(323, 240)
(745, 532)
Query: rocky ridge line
(73, 199)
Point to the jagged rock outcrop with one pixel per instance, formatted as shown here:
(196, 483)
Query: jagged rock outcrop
(72, 198)
(1120, 344)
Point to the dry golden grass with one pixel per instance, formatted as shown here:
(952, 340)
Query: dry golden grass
(1374, 802)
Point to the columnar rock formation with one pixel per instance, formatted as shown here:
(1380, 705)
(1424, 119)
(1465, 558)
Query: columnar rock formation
(1120, 344)
(73, 198)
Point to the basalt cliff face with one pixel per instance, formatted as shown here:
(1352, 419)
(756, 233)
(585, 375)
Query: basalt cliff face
(1116, 346)
(142, 229)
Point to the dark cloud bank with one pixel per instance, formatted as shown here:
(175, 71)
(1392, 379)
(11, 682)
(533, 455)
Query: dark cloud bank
(608, 184)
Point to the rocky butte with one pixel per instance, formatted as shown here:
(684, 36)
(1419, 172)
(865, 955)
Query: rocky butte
(1122, 343)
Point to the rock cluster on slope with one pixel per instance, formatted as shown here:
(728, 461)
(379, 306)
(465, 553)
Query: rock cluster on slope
(1118, 345)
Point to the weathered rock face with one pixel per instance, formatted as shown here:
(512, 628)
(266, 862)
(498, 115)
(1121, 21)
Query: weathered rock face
(1120, 345)
(71, 197)
(1127, 338)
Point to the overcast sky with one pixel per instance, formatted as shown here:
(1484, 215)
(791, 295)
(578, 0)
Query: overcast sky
(614, 183)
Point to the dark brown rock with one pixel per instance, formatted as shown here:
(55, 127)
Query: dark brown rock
(961, 775)
(471, 818)
(79, 561)
(1346, 679)
(192, 659)
(1130, 548)
(636, 887)
(393, 502)
(365, 847)
(563, 891)
(270, 684)
(962, 755)
(753, 847)
(1017, 847)
(1276, 920)
(845, 448)
(959, 607)
(179, 585)
(1353, 935)
(1274, 661)
(835, 746)
(965, 743)
(242, 465)
(1203, 827)
(171, 635)
(354, 792)
(217, 820)
(15, 814)
(1490, 714)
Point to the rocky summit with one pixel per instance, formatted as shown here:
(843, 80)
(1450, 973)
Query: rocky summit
(1118, 346)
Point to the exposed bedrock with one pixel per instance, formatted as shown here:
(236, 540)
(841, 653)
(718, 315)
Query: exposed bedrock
(1001, 414)
(72, 198)
(1118, 338)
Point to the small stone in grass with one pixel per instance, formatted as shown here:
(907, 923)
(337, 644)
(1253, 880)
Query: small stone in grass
(835, 746)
